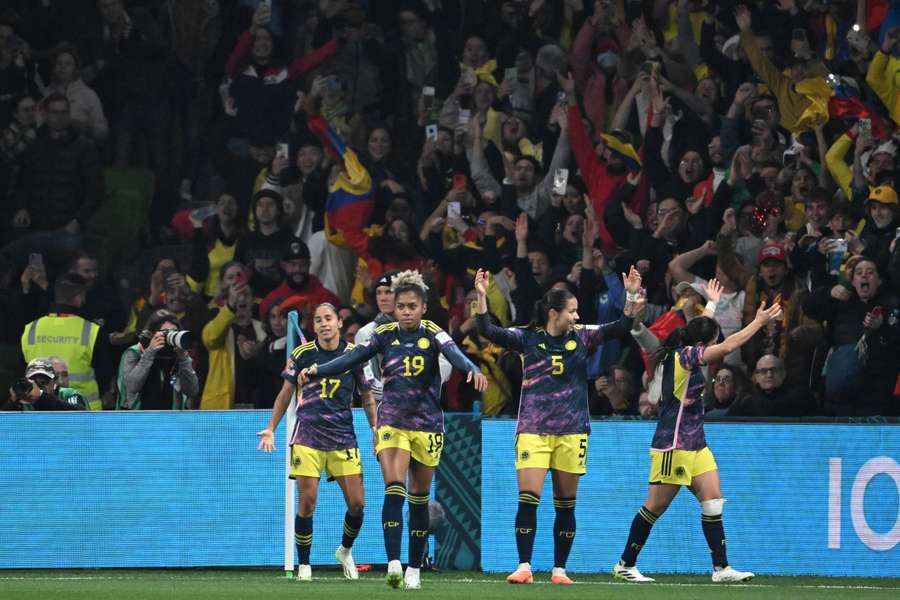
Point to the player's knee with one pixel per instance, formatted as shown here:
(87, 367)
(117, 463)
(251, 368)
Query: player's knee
(306, 506)
(712, 508)
(355, 507)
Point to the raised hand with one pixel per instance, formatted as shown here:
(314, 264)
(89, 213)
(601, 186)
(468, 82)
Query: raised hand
(632, 281)
(482, 281)
(764, 315)
(589, 236)
(522, 227)
(713, 290)
(266, 440)
(566, 83)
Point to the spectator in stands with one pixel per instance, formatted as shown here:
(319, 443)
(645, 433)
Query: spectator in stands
(64, 333)
(772, 396)
(299, 288)
(17, 71)
(102, 304)
(725, 386)
(270, 356)
(260, 250)
(128, 59)
(232, 338)
(864, 328)
(791, 338)
(214, 243)
(85, 109)
(157, 373)
(59, 188)
(19, 133)
(39, 391)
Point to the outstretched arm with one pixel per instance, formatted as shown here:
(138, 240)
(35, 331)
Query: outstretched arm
(267, 435)
(346, 361)
(507, 338)
(734, 341)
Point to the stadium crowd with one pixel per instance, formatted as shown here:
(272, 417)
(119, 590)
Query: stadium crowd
(282, 153)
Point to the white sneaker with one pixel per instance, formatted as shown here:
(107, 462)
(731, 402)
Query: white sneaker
(345, 557)
(394, 574)
(411, 580)
(729, 575)
(620, 571)
(304, 573)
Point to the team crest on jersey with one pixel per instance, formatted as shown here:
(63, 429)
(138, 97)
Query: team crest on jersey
(525, 455)
(423, 343)
(571, 345)
(386, 436)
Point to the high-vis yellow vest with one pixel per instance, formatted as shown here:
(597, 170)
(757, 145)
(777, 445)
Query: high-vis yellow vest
(72, 339)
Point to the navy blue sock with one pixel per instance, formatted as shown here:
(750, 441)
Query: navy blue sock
(563, 530)
(418, 528)
(637, 537)
(714, 530)
(352, 525)
(303, 537)
(392, 518)
(526, 524)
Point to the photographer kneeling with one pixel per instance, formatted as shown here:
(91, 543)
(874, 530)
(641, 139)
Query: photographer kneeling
(156, 373)
(38, 390)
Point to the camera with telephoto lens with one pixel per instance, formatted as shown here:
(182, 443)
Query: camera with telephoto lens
(178, 339)
(21, 388)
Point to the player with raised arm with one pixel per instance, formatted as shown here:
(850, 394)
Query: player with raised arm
(410, 422)
(554, 419)
(679, 455)
(323, 436)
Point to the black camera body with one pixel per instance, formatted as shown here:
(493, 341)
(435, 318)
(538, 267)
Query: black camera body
(21, 388)
(174, 338)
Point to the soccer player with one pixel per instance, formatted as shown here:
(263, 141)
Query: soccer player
(323, 436)
(554, 419)
(410, 423)
(679, 455)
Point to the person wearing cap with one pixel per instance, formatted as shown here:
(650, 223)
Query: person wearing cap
(881, 224)
(790, 338)
(260, 250)
(43, 393)
(299, 287)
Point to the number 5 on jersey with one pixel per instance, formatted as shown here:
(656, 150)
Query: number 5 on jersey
(414, 365)
(556, 361)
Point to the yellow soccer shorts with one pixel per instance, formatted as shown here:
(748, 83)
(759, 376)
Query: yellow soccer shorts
(423, 446)
(309, 462)
(679, 467)
(559, 452)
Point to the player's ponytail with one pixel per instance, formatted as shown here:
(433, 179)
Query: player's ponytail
(555, 298)
(699, 331)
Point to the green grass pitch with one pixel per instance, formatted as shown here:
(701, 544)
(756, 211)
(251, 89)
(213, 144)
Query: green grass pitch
(330, 585)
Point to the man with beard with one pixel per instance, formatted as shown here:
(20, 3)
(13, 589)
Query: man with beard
(299, 288)
(865, 329)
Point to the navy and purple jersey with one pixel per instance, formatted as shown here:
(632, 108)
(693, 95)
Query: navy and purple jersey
(554, 398)
(680, 425)
(324, 420)
(409, 373)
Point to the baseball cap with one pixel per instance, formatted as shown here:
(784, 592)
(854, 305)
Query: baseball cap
(884, 194)
(385, 279)
(40, 366)
(772, 251)
(294, 248)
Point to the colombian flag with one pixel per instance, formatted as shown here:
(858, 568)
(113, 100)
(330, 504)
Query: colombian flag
(351, 197)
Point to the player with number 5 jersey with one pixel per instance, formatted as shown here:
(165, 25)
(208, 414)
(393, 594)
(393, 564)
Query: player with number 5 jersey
(410, 422)
(554, 419)
(323, 436)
